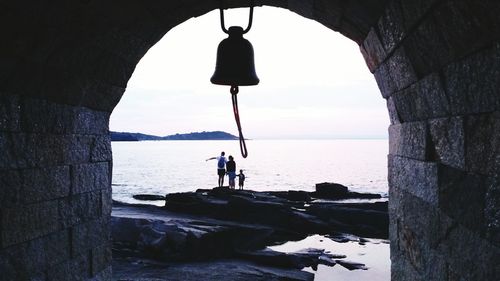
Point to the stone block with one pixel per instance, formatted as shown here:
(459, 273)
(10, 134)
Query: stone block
(447, 135)
(11, 183)
(90, 235)
(35, 255)
(105, 275)
(76, 269)
(42, 150)
(45, 184)
(90, 177)
(482, 144)
(395, 74)
(24, 223)
(467, 254)
(423, 100)
(384, 80)
(415, 177)
(9, 113)
(409, 140)
(101, 149)
(101, 258)
(472, 84)
(44, 116)
(492, 211)
(372, 50)
(462, 197)
(393, 113)
(414, 10)
(107, 201)
(391, 27)
(80, 208)
(464, 30)
(426, 48)
(418, 232)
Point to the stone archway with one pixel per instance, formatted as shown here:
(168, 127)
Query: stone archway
(64, 66)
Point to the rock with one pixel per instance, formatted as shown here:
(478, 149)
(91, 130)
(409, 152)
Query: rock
(351, 265)
(331, 189)
(148, 197)
(220, 270)
(298, 260)
(335, 191)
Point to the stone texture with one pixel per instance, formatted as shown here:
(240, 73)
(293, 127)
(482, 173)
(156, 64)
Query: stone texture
(373, 51)
(24, 223)
(472, 84)
(80, 208)
(393, 113)
(449, 140)
(395, 74)
(423, 100)
(492, 210)
(415, 177)
(101, 149)
(43, 150)
(89, 235)
(101, 258)
(471, 30)
(461, 197)
(409, 140)
(27, 260)
(77, 269)
(482, 144)
(426, 48)
(43, 116)
(90, 177)
(391, 27)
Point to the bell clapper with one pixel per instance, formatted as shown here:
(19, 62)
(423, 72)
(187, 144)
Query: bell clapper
(243, 147)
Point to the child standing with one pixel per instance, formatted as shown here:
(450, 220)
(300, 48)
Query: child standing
(241, 179)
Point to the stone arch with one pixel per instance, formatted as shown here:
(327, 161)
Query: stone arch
(65, 65)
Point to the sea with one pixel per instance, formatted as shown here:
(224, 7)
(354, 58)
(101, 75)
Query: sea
(162, 167)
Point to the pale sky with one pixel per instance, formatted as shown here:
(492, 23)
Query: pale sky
(314, 82)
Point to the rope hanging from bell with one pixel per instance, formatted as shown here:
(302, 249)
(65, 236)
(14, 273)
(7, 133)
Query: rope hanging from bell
(235, 66)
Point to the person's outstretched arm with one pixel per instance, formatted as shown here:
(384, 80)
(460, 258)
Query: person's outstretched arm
(212, 158)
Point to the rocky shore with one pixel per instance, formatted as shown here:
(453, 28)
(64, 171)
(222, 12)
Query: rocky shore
(225, 233)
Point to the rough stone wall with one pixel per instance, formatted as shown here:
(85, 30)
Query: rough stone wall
(437, 63)
(55, 197)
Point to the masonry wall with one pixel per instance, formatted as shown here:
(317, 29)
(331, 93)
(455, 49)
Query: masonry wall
(437, 63)
(55, 198)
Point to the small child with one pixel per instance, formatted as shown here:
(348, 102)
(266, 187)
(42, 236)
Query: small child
(241, 180)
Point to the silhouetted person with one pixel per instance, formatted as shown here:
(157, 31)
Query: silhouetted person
(231, 171)
(241, 179)
(221, 167)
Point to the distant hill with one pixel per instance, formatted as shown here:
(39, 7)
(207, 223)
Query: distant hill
(216, 135)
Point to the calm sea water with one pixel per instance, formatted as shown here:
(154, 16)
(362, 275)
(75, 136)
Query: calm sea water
(160, 167)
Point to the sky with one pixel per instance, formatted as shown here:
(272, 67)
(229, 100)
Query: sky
(314, 83)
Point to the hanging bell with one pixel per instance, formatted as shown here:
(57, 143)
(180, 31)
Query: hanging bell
(235, 61)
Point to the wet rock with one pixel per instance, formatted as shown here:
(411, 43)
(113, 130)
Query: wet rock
(351, 265)
(148, 197)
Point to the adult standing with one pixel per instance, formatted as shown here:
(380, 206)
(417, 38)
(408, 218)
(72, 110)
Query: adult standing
(221, 167)
(231, 171)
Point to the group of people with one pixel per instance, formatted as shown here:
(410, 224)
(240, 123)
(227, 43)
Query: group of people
(228, 167)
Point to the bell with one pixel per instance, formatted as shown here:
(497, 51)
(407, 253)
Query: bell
(235, 61)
